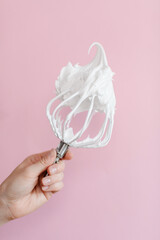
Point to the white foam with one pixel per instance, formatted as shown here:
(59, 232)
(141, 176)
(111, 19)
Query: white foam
(85, 88)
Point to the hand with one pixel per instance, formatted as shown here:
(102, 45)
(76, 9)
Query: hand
(27, 188)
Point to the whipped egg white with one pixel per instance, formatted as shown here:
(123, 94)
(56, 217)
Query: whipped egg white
(85, 88)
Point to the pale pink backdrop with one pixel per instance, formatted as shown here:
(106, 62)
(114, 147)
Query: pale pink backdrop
(111, 193)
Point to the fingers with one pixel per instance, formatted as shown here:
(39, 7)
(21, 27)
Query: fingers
(54, 181)
(56, 168)
(54, 187)
(35, 164)
(68, 155)
(49, 180)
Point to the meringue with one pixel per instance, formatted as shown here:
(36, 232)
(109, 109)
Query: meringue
(84, 88)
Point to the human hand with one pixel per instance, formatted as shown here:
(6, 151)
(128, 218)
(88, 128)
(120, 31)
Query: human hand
(27, 187)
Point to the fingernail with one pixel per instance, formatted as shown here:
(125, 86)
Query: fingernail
(46, 180)
(45, 188)
(53, 170)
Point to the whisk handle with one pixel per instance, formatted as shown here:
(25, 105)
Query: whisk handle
(61, 151)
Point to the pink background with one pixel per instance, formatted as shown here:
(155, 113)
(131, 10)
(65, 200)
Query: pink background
(112, 193)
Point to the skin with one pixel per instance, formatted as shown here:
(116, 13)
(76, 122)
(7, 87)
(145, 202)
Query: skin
(27, 188)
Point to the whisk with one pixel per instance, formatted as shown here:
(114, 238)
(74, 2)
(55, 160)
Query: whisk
(83, 88)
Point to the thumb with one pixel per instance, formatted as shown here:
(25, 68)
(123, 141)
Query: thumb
(38, 163)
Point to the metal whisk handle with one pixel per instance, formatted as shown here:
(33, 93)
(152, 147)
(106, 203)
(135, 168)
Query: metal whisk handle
(61, 150)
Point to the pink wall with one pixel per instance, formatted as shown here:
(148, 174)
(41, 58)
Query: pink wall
(110, 193)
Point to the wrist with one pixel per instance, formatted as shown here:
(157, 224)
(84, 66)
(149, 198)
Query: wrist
(4, 211)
